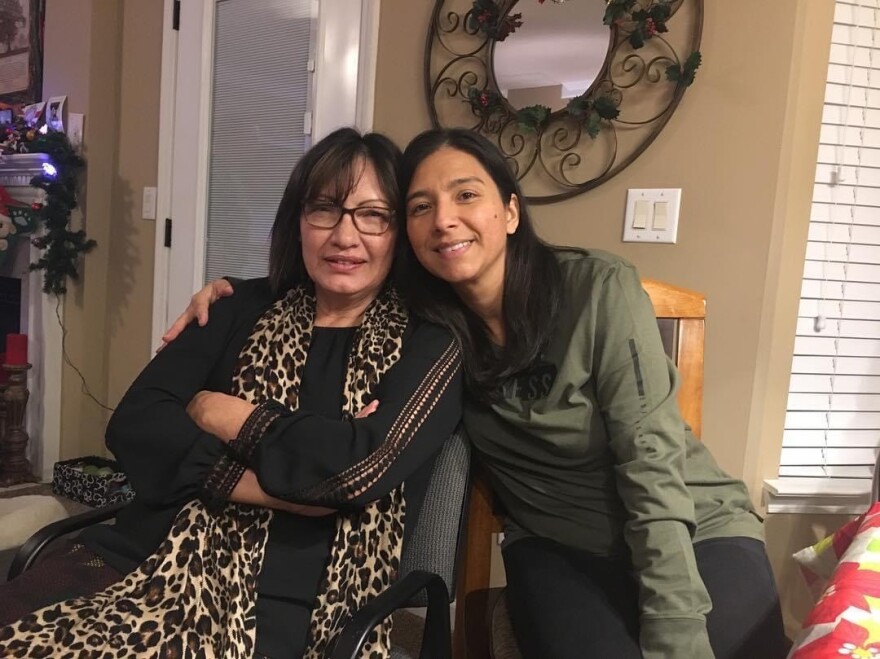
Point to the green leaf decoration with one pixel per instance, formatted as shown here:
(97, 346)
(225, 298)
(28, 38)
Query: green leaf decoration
(637, 38)
(594, 124)
(578, 107)
(533, 117)
(486, 16)
(592, 112)
(617, 10)
(606, 108)
(660, 13)
(685, 75)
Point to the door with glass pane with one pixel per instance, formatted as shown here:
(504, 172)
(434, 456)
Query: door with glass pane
(245, 76)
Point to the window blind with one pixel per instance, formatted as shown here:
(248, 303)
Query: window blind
(260, 98)
(832, 423)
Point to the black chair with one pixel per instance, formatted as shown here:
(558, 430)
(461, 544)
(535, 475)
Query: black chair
(428, 563)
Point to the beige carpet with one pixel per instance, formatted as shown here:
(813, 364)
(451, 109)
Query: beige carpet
(72, 508)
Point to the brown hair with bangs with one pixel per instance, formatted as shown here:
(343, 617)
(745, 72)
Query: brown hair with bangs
(329, 170)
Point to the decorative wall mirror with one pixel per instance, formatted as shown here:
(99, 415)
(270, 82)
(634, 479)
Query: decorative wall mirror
(571, 91)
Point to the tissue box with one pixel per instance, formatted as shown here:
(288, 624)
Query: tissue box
(91, 480)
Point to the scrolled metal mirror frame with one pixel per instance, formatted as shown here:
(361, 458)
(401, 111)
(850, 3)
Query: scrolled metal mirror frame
(547, 150)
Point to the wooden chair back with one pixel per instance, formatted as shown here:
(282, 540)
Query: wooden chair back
(681, 316)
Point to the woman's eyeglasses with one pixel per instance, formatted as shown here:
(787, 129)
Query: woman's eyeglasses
(370, 220)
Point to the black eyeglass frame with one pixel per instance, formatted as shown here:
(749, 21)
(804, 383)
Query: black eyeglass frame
(343, 211)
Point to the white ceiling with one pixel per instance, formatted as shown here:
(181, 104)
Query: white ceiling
(556, 45)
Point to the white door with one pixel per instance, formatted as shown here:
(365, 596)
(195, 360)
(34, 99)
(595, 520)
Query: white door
(246, 87)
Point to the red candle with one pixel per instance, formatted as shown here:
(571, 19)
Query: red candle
(16, 349)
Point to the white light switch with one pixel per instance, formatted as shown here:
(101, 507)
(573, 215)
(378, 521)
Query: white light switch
(661, 216)
(641, 213)
(652, 215)
(148, 210)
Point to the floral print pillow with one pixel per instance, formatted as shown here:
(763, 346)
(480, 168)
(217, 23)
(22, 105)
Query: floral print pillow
(843, 571)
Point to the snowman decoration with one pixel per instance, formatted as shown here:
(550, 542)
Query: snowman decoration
(7, 228)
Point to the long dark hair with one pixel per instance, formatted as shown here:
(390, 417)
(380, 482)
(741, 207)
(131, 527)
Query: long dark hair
(532, 276)
(331, 168)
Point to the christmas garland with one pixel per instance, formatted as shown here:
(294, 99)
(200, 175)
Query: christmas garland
(61, 246)
(59, 180)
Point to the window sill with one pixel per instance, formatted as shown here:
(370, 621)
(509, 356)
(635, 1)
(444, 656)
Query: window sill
(817, 495)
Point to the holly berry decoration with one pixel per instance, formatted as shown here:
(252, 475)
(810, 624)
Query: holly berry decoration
(485, 16)
(649, 22)
(642, 22)
(483, 101)
(37, 206)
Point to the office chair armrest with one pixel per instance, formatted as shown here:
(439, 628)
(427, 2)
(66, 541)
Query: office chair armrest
(27, 554)
(437, 640)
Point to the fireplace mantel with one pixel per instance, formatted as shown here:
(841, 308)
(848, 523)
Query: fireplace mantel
(40, 322)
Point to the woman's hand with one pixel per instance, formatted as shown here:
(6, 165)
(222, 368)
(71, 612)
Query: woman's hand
(371, 407)
(197, 309)
(219, 414)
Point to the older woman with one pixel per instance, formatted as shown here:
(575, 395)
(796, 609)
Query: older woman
(262, 501)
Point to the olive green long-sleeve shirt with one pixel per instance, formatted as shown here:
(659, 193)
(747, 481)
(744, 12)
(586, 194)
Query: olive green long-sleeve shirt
(588, 448)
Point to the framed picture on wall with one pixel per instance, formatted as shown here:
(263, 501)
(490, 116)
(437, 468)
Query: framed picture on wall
(21, 50)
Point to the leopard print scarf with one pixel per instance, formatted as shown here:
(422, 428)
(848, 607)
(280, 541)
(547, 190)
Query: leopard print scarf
(196, 595)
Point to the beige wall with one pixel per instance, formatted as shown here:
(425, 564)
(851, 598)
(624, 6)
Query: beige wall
(81, 44)
(105, 55)
(741, 145)
(130, 302)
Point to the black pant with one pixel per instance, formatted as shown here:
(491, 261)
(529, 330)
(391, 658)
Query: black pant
(566, 604)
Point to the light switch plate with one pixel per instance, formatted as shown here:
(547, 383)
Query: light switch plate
(661, 223)
(148, 210)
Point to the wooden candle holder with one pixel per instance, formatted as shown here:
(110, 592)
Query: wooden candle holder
(2, 411)
(15, 468)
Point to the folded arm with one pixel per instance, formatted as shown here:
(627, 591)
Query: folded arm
(305, 458)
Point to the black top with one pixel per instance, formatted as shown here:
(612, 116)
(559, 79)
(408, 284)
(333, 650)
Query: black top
(167, 457)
